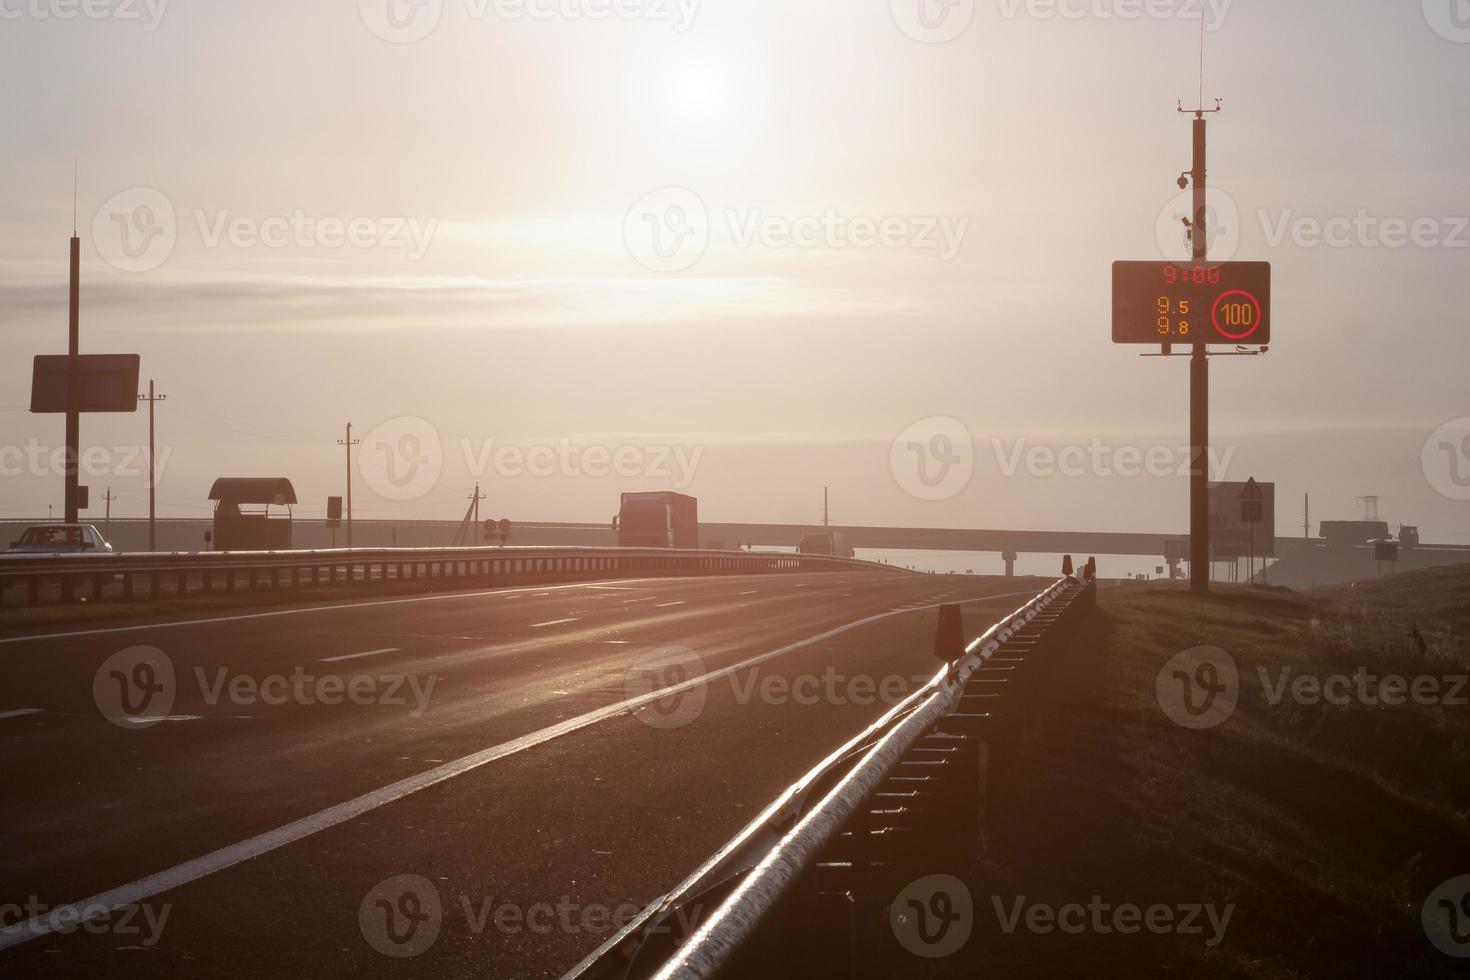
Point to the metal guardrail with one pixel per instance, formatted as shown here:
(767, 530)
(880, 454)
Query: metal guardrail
(40, 579)
(930, 759)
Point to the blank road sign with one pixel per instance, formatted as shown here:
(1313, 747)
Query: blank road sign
(109, 383)
(1233, 532)
(1174, 303)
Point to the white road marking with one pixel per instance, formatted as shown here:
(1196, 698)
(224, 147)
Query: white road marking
(553, 622)
(354, 656)
(19, 712)
(665, 605)
(143, 889)
(241, 617)
(751, 592)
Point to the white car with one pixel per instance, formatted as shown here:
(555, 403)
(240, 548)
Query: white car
(60, 539)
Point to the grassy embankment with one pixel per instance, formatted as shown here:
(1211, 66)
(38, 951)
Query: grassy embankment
(1326, 826)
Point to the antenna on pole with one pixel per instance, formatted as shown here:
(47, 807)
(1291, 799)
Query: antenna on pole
(1201, 58)
(1199, 113)
(75, 169)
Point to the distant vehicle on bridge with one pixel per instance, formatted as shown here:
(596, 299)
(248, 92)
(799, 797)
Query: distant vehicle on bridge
(660, 519)
(824, 543)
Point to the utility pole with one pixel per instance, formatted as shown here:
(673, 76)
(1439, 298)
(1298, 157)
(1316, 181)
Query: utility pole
(348, 443)
(107, 515)
(1306, 516)
(825, 521)
(151, 399)
(73, 382)
(475, 499)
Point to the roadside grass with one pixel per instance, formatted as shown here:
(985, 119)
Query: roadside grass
(1325, 826)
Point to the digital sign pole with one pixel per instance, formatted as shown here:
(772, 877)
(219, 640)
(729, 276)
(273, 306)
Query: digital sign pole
(1198, 303)
(1199, 391)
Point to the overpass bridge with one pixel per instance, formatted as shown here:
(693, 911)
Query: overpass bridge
(187, 534)
(1300, 561)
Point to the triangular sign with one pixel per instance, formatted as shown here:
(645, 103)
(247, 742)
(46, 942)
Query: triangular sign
(1251, 491)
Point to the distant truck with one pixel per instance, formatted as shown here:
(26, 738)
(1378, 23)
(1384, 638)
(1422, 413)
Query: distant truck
(824, 543)
(660, 519)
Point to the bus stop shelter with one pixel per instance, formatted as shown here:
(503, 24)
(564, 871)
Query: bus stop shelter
(256, 529)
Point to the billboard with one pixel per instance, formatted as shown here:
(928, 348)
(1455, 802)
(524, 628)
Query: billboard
(109, 383)
(1231, 533)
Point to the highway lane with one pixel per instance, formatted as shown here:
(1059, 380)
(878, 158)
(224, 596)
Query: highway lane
(104, 804)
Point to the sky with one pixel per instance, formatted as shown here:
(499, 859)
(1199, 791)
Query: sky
(741, 248)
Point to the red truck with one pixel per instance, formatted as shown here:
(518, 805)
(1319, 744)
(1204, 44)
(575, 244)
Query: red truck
(660, 519)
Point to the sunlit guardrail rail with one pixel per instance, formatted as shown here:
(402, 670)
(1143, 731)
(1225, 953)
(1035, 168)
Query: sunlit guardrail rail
(41, 579)
(805, 889)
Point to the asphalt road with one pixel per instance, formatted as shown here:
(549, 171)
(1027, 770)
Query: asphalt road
(476, 783)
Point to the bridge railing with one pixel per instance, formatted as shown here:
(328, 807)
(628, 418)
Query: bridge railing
(806, 888)
(42, 579)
